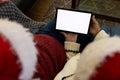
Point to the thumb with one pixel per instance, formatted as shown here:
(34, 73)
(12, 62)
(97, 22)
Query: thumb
(63, 33)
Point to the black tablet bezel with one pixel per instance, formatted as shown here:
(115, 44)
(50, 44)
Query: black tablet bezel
(75, 11)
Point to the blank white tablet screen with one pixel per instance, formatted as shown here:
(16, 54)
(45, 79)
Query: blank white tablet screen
(73, 21)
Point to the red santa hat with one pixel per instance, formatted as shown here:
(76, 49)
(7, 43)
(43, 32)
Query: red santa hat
(100, 61)
(21, 41)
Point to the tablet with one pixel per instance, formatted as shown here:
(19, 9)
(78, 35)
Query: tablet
(73, 20)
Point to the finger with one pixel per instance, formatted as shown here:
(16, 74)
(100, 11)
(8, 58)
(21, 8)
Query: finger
(94, 20)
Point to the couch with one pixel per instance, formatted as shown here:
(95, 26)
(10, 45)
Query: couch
(41, 10)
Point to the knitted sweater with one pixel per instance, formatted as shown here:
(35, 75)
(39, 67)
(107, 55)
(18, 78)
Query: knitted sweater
(10, 11)
(70, 67)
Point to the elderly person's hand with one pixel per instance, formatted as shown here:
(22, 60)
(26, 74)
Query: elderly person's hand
(3, 1)
(95, 27)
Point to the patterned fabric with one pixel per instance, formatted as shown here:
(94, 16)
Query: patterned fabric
(10, 11)
(16, 2)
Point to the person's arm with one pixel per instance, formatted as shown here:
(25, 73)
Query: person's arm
(3, 1)
(71, 47)
(67, 73)
(73, 55)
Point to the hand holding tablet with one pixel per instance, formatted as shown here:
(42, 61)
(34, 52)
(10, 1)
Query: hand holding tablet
(73, 21)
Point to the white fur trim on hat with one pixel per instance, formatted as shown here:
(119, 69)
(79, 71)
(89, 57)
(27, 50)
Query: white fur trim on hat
(22, 43)
(94, 54)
